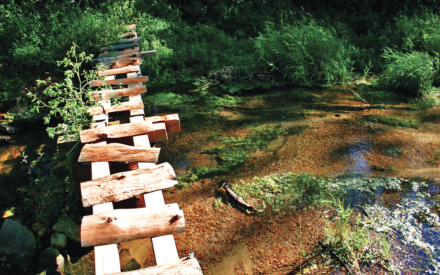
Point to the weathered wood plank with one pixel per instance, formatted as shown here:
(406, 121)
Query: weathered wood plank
(131, 27)
(148, 53)
(171, 121)
(123, 70)
(119, 58)
(183, 267)
(104, 94)
(120, 46)
(159, 134)
(117, 131)
(117, 152)
(122, 81)
(130, 224)
(135, 50)
(121, 186)
(124, 106)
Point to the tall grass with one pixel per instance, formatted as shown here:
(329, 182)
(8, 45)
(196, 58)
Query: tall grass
(305, 53)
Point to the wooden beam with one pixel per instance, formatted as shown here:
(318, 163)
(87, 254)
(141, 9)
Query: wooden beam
(104, 94)
(122, 186)
(131, 27)
(182, 267)
(117, 131)
(123, 70)
(122, 81)
(130, 224)
(117, 53)
(124, 106)
(159, 134)
(148, 53)
(118, 153)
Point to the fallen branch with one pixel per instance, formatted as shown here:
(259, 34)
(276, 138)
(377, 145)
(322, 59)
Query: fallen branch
(235, 196)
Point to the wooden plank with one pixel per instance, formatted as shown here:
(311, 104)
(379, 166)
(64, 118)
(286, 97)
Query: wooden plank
(181, 267)
(122, 81)
(117, 131)
(122, 186)
(172, 121)
(124, 106)
(130, 224)
(123, 70)
(138, 112)
(148, 53)
(119, 47)
(135, 50)
(104, 94)
(107, 256)
(117, 152)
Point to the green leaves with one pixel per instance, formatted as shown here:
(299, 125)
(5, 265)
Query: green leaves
(67, 100)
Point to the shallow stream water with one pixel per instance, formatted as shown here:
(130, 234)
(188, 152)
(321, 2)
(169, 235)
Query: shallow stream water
(336, 141)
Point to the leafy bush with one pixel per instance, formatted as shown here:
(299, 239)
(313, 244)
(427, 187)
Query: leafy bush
(305, 53)
(414, 71)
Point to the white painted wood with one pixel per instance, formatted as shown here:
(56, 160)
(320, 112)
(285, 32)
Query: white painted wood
(106, 256)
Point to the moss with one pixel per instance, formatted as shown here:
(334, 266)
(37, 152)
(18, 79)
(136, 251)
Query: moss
(384, 169)
(233, 152)
(393, 121)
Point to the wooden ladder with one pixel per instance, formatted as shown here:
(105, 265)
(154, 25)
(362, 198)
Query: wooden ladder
(159, 221)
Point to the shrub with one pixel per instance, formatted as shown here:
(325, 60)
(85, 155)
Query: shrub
(305, 53)
(414, 71)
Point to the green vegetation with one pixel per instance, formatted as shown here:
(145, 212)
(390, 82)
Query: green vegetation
(384, 169)
(393, 121)
(234, 152)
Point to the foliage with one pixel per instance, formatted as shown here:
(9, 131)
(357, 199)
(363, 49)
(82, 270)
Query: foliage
(282, 192)
(352, 244)
(37, 33)
(305, 53)
(67, 100)
(49, 192)
(393, 121)
(414, 71)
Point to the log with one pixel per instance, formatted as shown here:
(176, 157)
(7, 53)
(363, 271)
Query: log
(172, 121)
(122, 81)
(120, 46)
(121, 186)
(104, 94)
(184, 267)
(235, 196)
(119, 58)
(130, 224)
(148, 53)
(124, 106)
(123, 70)
(159, 134)
(117, 53)
(117, 131)
(129, 40)
(120, 64)
(118, 153)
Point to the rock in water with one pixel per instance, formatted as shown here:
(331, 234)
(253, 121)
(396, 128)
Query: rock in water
(17, 243)
(67, 226)
(58, 240)
(51, 259)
